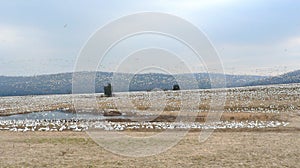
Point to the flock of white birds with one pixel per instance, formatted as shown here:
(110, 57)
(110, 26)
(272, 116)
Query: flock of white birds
(266, 99)
(76, 125)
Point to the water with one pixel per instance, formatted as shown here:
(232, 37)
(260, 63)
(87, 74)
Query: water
(55, 115)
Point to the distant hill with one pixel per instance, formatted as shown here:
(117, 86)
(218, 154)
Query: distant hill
(62, 83)
(291, 77)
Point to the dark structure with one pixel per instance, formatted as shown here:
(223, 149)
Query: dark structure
(176, 87)
(108, 90)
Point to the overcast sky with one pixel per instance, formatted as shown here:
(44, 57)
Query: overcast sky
(251, 36)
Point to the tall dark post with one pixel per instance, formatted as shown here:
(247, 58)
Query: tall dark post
(108, 90)
(176, 87)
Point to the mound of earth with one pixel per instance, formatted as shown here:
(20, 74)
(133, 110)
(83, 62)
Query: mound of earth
(112, 113)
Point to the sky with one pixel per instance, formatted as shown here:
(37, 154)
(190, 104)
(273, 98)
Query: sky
(251, 37)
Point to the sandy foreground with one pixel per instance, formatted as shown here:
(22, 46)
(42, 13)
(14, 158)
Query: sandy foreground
(260, 148)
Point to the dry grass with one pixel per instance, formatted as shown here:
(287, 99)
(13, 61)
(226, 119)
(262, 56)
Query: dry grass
(222, 149)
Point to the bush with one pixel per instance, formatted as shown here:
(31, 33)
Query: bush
(108, 90)
(176, 87)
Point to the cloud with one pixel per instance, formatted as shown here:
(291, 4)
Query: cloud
(22, 40)
(263, 59)
(8, 36)
(248, 35)
(26, 50)
(192, 5)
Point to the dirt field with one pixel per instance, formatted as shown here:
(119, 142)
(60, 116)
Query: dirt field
(223, 149)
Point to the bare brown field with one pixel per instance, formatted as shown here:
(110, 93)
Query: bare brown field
(222, 149)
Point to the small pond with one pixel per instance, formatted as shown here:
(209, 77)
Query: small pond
(56, 115)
